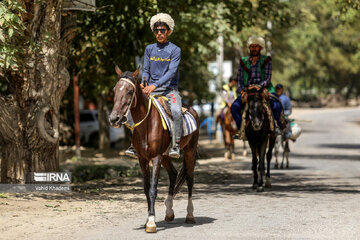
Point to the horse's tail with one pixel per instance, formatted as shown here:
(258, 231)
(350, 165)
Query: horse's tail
(189, 159)
(180, 180)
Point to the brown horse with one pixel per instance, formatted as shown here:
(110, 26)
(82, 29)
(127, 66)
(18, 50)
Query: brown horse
(229, 129)
(152, 143)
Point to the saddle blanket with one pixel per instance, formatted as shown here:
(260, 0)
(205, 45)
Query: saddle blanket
(189, 122)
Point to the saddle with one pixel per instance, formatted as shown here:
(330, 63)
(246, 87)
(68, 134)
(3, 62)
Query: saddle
(166, 107)
(245, 123)
(189, 122)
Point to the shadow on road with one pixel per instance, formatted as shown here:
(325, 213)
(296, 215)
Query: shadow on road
(342, 146)
(179, 222)
(326, 156)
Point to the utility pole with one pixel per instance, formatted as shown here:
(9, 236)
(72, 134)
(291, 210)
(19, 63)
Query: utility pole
(77, 113)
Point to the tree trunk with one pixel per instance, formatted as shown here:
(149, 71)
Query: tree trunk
(104, 137)
(29, 114)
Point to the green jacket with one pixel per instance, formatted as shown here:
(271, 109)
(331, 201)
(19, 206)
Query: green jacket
(246, 65)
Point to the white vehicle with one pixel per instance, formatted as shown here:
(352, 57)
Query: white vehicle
(89, 129)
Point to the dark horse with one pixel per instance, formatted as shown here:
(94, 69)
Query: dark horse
(259, 136)
(152, 142)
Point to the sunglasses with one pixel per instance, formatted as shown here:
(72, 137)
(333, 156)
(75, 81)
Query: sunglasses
(162, 30)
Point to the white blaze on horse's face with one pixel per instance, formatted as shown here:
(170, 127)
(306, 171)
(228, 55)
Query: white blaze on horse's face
(123, 99)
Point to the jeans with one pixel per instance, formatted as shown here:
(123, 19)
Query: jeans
(237, 106)
(175, 108)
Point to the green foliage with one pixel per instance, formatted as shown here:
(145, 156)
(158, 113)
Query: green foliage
(83, 173)
(315, 44)
(321, 51)
(12, 36)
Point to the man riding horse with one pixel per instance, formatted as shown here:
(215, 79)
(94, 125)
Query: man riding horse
(161, 75)
(256, 70)
(228, 94)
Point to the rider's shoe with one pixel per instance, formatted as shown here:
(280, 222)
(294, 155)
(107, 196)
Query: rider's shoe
(240, 136)
(131, 152)
(236, 136)
(175, 151)
(277, 131)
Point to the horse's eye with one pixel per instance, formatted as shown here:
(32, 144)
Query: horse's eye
(130, 92)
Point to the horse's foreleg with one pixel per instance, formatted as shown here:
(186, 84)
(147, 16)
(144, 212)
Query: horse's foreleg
(244, 149)
(227, 138)
(254, 165)
(144, 164)
(262, 153)
(166, 162)
(232, 150)
(150, 225)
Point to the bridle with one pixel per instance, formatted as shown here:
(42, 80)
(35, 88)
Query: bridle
(130, 106)
(133, 96)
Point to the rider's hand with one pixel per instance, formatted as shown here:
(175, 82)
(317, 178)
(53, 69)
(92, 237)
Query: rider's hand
(254, 87)
(143, 85)
(265, 93)
(243, 96)
(148, 89)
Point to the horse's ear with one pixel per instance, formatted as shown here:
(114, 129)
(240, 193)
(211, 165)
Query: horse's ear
(118, 71)
(136, 73)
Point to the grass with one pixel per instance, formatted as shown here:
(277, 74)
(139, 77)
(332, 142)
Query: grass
(85, 173)
(2, 195)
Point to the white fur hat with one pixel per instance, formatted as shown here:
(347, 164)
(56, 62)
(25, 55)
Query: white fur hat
(259, 41)
(162, 17)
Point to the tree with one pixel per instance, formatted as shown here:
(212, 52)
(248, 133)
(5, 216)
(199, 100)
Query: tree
(34, 45)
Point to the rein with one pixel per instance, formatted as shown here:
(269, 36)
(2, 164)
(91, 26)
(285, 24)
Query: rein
(127, 111)
(151, 100)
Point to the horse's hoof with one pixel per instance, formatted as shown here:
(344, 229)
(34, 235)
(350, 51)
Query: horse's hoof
(287, 166)
(268, 185)
(260, 189)
(276, 166)
(233, 157)
(244, 154)
(281, 166)
(254, 186)
(169, 218)
(150, 229)
(190, 220)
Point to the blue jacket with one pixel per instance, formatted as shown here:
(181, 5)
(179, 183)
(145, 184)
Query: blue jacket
(286, 103)
(161, 63)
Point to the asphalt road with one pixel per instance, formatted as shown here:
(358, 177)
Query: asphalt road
(317, 198)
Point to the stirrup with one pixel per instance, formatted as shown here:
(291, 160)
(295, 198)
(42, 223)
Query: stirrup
(175, 151)
(131, 152)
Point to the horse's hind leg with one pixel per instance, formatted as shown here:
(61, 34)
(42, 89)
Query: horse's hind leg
(276, 150)
(150, 225)
(166, 162)
(268, 159)
(287, 152)
(189, 161)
